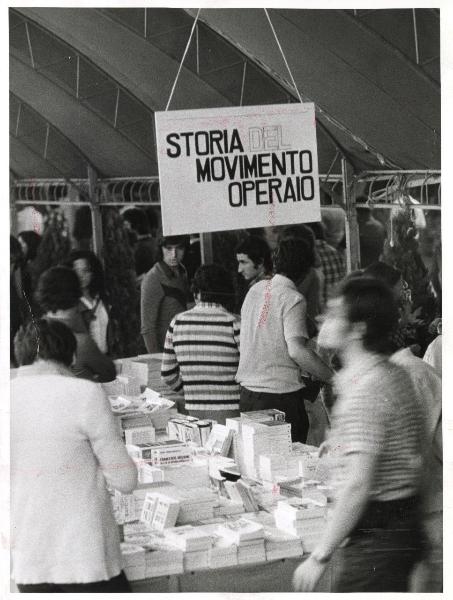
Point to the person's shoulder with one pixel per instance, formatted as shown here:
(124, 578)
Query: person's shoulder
(153, 276)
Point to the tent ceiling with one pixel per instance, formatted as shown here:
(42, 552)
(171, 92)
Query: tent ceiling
(96, 76)
(356, 78)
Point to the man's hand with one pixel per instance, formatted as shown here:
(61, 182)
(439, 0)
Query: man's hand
(307, 575)
(324, 448)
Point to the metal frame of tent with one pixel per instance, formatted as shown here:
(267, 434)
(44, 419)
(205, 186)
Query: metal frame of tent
(120, 192)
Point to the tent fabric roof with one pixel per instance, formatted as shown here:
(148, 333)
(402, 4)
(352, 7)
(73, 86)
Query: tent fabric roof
(88, 82)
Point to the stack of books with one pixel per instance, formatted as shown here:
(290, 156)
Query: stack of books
(137, 528)
(227, 508)
(149, 474)
(280, 544)
(219, 440)
(251, 552)
(304, 519)
(133, 420)
(305, 460)
(272, 466)
(189, 429)
(130, 385)
(194, 543)
(264, 416)
(242, 492)
(140, 435)
(273, 437)
(222, 553)
(124, 507)
(163, 453)
(304, 488)
(134, 563)
(159, 511)
(187, 475)
(162, 558)
(196, 504)
(188, 538)
(239, 531)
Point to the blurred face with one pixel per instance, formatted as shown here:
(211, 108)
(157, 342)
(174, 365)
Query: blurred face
(335, 328)
(83, 271)
(246, 267)
(271, 236)
(172, 255)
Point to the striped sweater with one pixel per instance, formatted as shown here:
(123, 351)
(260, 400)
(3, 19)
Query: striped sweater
(201, 357)
(377, 413)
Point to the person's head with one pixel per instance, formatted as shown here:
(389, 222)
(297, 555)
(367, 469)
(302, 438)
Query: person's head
(364, 213)
(271, 235)
(389, 275)
(212, 283)
(137, 220)
(254, 258)
(15, 253)
(45, 340)
(317, 229)
(29, 240)
(293, 258)
(172, 249)
(364, 312)
(88, 269)
(333, 219)
(58, 289)
(304, 233)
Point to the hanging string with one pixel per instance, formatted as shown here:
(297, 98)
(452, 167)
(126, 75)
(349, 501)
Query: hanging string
(182, 59)
(283, 55)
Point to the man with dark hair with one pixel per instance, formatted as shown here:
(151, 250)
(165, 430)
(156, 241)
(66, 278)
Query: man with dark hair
(404, 334)
(145, 246)
(201, 351)
(376, 449)
(164, 292)
(273, 341)
(58, 294)
(311, 283)
(254, 259)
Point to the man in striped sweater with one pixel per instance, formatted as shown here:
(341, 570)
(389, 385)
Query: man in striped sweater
(201, 352)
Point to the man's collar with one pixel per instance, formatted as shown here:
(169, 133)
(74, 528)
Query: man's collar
(169, 272)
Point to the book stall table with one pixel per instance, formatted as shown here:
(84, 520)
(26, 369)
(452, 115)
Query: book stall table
(218, 508)
(273, 576)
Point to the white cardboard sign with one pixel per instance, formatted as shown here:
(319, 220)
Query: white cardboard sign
(233, 168)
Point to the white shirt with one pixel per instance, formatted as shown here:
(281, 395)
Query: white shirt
(98, 325)
(273, 312)
(65, 448)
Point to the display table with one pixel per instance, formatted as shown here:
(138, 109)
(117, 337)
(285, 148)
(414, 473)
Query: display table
(272, 575)
(275, 576)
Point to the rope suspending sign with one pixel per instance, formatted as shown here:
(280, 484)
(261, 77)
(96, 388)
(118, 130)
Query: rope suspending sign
(182, 59)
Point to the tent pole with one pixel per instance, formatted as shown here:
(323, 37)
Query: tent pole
(207, 254)
(351, 225)
(96, 217)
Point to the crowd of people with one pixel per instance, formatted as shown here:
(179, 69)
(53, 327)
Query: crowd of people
(298, 331)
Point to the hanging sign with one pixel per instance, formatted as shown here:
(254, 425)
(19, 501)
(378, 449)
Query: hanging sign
(234, 168)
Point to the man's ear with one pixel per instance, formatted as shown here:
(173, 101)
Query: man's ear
(260, 267)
